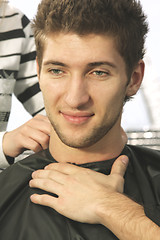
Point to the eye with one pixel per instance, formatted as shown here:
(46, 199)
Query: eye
(99, 73)
(56, 72)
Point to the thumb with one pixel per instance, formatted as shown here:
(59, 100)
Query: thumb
(120, 165)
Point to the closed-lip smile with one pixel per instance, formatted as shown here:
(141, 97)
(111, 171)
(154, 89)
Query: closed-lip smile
(76, 117)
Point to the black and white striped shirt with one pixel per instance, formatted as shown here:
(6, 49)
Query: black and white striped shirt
(17, 65)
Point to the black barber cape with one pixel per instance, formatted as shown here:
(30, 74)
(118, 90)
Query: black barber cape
(20, 219)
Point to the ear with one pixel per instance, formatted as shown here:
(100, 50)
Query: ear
(136, 79)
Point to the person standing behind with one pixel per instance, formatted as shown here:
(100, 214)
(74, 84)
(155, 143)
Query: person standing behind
(18, 76)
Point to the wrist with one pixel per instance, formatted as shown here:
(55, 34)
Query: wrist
(9, 158)
(107, 209)
(3, 161)
(7, 144)
(122, 216)
(126, 219)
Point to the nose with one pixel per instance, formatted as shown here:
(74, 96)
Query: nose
(77, 92)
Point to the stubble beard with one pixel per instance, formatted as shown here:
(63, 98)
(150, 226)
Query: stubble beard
(89, 140)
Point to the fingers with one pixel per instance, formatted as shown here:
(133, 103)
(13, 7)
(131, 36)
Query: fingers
(28, 144)
(38, 129)
(33, 135)
(65, 168)
(32, 139)
(40, 123)
(117, 173)
(40, 140)
(48, 180)
(46, 185)
(44, 199)
(120, 165)
(42, 117)
(50, 174)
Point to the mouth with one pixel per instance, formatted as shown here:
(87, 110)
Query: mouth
(77, 118)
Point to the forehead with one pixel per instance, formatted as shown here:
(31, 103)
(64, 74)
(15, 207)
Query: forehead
(71, 48)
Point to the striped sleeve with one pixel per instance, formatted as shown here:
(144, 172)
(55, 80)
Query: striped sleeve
(17, 68)
(27, 87)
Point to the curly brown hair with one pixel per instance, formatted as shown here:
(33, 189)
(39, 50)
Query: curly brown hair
(122, 19)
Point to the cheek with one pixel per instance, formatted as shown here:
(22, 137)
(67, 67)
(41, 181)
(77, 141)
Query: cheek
(47, 93)
(50, 90)
(53, 96)
(111, 100)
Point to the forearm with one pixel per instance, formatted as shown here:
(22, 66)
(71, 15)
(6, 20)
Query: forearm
(127, 220)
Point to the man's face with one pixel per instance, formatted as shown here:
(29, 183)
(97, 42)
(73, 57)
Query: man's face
(84, 83)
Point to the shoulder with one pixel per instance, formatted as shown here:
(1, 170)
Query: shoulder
(10, 10)
(24, 168)
(36, 161)
(145, 156)
(145, 163)
(13, 16)
(14, 180)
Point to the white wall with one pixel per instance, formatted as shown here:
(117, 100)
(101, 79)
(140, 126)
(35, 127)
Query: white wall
(29, 7)
(135, 116)
(133, 108)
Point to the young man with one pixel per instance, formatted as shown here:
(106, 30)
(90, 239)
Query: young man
(89, 62)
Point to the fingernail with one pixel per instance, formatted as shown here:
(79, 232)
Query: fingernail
(33, 174)
(124, 159)
(30, 183)
(32, 197)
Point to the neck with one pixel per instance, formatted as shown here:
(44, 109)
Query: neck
(107, 148)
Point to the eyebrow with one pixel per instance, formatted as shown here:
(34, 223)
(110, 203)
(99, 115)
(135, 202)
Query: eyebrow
(92, 64)
(97, 64)
(55, 63)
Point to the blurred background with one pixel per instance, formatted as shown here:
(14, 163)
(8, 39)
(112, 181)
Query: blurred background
(143, 112)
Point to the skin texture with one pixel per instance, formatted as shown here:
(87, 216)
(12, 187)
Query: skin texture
(33, 135)
(89, 90)
(90, 197)
(84, 83)
(77, 186)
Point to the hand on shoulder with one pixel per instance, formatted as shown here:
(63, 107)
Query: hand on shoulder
(32, 135)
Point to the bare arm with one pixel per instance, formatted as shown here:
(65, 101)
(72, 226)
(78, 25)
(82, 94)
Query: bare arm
(33, 135)
(127, 219)
(91, 197)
